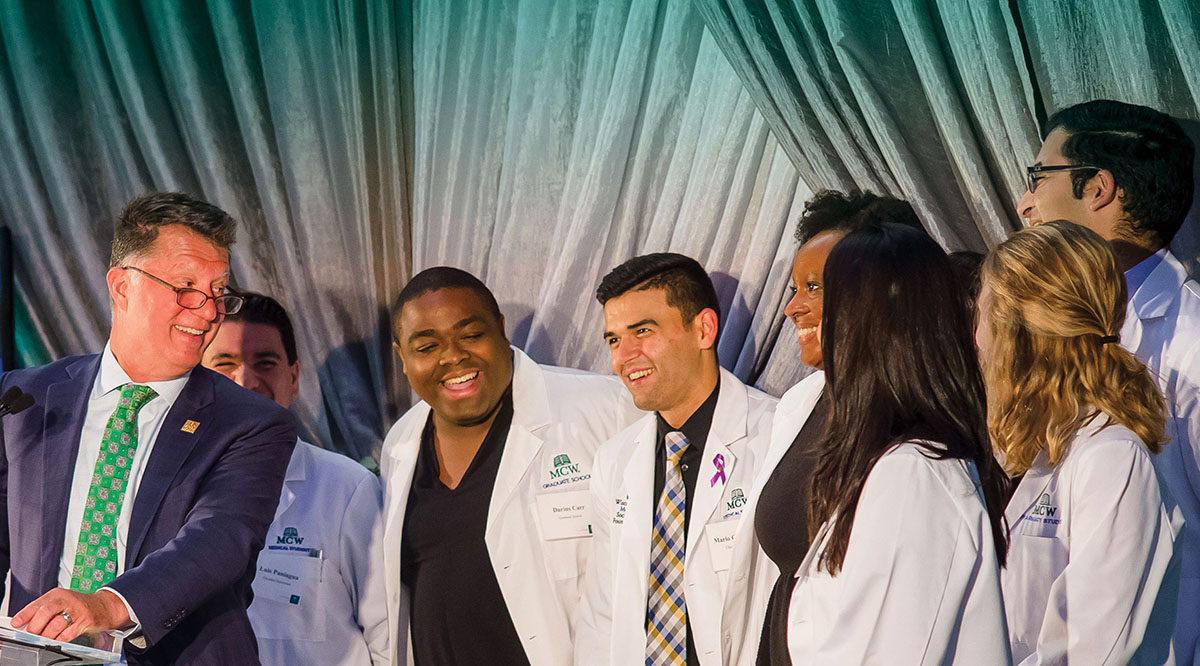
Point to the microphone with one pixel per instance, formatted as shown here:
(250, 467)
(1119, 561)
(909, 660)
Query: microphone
(15, 400)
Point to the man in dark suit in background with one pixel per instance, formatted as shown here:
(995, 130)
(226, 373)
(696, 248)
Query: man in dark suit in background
(135, 494)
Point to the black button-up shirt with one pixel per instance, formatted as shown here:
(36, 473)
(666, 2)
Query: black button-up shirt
(696, 430)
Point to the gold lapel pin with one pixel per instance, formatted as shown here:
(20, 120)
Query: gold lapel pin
(190, 426)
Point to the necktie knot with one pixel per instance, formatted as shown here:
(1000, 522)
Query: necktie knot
(135, 396)
(677, 443)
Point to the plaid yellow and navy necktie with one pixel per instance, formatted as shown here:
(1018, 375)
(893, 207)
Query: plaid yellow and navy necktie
(96, 555)
(666, 609)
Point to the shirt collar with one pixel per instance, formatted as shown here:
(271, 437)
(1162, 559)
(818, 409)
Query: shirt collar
(112, 377)
(1136, 276)
(697, 426)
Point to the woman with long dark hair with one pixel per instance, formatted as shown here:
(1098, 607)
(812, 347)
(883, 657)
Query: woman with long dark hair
(907, 500)
(1089, 578)
(755, 615)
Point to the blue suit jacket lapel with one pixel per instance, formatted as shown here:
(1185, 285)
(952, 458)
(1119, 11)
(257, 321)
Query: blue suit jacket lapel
(65, 410)
(171, 451)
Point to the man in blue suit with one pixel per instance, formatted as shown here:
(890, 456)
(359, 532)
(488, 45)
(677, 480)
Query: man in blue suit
(135, 494)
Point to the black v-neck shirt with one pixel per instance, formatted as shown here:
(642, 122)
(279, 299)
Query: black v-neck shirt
(459, 616)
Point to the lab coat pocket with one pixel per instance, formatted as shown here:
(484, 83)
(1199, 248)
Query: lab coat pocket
(287, 603)
(1038, 554)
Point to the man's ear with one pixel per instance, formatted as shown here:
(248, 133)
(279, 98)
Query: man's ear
(396, 348)
(118, 287)
(706, 323)
(294, 370)
(1101, 190)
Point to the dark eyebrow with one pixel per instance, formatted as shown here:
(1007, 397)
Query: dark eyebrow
(224, 355)
(270, 353)
(430, 333)
(633, 326)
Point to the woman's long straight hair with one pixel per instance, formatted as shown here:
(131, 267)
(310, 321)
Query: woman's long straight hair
(900, 365)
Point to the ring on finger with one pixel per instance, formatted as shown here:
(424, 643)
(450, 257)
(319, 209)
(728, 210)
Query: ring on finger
(66, 616)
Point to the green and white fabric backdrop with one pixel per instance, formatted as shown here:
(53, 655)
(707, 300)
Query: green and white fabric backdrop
(536, 143)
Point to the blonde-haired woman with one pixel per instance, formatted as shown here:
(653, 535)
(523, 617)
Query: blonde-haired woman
(1090, 576)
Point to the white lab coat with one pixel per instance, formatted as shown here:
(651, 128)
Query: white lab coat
(1162, 327)
(326, 533)
(1090, 550)
(920, 583)
(560, 416)
(612, 617)
(746, 605)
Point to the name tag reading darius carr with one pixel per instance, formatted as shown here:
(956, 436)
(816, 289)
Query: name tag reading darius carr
(564, 515)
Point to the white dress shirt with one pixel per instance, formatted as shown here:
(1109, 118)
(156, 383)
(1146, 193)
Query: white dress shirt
(102, 402)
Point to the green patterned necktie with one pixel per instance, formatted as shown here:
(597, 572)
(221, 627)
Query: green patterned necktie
(96, 555)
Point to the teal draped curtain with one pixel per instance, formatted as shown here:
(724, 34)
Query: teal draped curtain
(289, 115)
(534, 142)
(925, 100)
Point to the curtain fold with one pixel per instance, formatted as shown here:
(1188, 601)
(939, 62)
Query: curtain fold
(556, 140)
(287, 115)
(923, 100)
(536, 144)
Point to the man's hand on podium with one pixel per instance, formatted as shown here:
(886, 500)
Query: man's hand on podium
(63, 614)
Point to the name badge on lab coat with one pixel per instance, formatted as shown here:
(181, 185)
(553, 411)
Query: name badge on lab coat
(564, 515)
(288, 577)
(720, 543)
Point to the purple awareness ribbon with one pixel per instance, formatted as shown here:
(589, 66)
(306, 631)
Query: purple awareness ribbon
(719, 463)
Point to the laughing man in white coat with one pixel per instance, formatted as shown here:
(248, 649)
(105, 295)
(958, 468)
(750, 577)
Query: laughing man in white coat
(1129, 178)
(486, 484)
(667, 508)
(318, 593)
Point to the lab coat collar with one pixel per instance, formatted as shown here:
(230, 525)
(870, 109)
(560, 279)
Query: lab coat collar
(790, 416)
(1032, 485)
(297, 472)
(1160, 288)
(531, 413)
(637, 477)
(531, 400)
(726, 440)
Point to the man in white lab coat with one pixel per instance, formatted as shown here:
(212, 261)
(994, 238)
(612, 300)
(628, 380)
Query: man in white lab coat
(318, 592)
(486, 484)
(1125, 172)
(668, 492)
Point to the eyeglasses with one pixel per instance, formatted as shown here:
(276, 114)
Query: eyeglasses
(194, 299)
(1033, 173)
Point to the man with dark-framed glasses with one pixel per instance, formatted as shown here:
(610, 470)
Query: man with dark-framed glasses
(1125, 172)
(137, 491)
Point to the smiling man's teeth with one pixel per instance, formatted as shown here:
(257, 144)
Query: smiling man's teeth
(193, 331)
(808, 330)
(634, 376)
(463, 379)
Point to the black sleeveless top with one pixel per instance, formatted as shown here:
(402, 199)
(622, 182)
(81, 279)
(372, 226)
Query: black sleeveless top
(781, 525)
